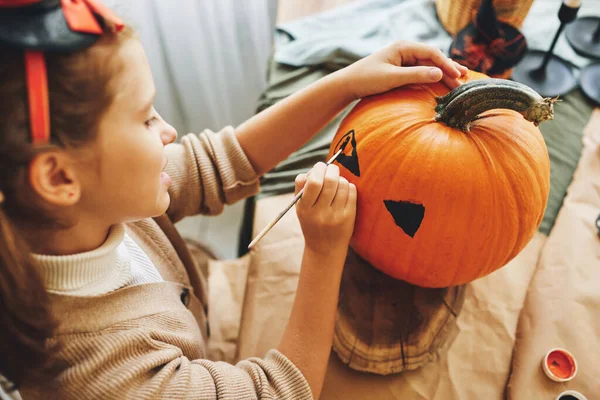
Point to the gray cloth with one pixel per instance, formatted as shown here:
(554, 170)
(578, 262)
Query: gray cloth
(310, 48)
(284, 81)
(563, 137)
(348, 33)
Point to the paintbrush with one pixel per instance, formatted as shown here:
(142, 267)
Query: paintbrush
(294, 201)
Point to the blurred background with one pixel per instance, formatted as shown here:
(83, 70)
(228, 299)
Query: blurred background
(209, 61)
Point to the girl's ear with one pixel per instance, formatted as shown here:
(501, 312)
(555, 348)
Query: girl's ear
(52, 176)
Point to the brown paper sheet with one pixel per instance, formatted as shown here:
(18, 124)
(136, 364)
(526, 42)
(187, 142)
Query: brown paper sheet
(563, 302)
(476, 365)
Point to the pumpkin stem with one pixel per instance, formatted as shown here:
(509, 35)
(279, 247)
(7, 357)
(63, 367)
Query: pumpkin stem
(463, 105)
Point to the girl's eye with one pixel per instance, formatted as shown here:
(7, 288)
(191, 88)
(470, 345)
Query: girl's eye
(150, 122)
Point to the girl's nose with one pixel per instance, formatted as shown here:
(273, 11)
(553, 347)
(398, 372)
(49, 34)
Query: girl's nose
(168, 134)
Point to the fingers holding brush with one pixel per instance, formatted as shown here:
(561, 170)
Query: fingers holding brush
(327, 209)
(313, 186)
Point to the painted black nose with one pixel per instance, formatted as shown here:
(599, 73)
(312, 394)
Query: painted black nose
(408, 216)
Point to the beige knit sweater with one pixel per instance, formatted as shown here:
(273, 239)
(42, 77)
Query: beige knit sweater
(148, 341)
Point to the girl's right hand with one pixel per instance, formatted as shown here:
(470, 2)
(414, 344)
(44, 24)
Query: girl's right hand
(327, 209)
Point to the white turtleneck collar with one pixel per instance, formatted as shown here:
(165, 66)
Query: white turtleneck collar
(117, 263)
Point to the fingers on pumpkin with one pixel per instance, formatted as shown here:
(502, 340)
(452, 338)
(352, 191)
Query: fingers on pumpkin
(448, 66)
(448, 80)
(461, 68)
(408, 75)
(416, 52)
(452, 83)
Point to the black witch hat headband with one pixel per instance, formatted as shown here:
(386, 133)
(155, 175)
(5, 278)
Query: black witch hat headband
(40, 26)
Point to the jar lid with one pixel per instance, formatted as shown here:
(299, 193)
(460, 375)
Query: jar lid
(559, 365)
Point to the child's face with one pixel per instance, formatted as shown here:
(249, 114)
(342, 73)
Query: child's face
(128, 182)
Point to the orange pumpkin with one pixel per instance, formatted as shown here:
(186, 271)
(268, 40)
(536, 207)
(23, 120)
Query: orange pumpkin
(443, 205)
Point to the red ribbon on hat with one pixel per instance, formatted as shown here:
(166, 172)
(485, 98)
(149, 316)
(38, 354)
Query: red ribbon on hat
(79, 15)
(37, 94)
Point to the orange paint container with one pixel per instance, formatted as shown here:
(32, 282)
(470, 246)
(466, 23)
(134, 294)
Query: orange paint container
(559, 365)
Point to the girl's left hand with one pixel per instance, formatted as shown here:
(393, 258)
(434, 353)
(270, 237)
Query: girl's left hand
(400, 64)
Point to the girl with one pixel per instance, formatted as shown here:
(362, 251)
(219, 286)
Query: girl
(99, 296)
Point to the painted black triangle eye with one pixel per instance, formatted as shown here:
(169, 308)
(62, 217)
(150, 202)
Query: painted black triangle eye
(408, 216)
(349, 157)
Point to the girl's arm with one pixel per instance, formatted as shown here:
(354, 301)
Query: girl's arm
(270, 136)
(157, 355)
(308, 336)
(210, 170)
(326, 213)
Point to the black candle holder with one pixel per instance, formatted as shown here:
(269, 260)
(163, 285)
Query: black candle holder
(590, 82)
(584, 36)
(546, 73)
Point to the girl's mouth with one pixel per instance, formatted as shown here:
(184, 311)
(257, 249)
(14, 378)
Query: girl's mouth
(165, 179)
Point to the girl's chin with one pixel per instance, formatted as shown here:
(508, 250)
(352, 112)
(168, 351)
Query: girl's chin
(163, 204)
